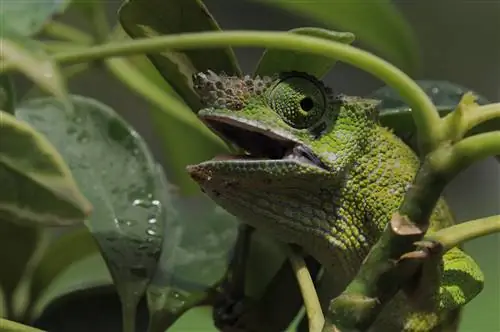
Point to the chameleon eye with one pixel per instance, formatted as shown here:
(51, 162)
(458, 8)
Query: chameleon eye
(299, 100)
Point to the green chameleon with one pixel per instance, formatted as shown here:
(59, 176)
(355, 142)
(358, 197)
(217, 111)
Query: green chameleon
(321, 173)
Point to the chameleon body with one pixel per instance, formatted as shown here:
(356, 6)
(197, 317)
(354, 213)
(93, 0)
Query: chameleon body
(321, 173)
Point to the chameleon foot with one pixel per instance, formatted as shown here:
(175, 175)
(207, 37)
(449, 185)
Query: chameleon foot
(227, 312)
(425, 283)
(426, 249)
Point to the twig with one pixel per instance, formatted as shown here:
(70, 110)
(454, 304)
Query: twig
(306, 285)
(453, 236)
(10, 326)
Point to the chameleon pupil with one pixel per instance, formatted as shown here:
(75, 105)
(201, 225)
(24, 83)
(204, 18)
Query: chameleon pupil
(307, 104)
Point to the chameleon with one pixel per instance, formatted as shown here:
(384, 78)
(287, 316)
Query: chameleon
(318, 171)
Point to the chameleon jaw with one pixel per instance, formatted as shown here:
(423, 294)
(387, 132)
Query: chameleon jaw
(259, 143)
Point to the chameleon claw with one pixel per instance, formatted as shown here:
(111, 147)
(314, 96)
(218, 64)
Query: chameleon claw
(426, 249)
(227, 312)
(421, 287)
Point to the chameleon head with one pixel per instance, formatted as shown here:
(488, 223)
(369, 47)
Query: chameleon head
(299, 142)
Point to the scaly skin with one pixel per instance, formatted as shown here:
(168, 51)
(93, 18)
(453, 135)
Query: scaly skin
(335, 196)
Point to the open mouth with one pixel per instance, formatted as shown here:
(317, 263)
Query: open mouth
(260, 144)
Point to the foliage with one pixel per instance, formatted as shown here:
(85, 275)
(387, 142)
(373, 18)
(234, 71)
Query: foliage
(71, 160)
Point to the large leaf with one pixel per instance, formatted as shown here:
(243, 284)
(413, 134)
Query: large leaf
(37, 186)
(198, 244)
(87, 274)
(172, 119)
(7, 94)
(376, 23)
(115, 169)
(17, 245)
(276, 60)
(28, 17)
(396, 114)
(27, 56)
(195, 257)
(62, 254)
(163, 17)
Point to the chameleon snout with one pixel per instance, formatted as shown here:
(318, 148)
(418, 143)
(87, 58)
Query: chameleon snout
(199, 174)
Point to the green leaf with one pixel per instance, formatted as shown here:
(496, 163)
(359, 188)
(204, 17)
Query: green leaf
(72, 262)
(196, 319)
(197, 247)
(396, 114)
(37, 186)
(376, 23)
(163, 17)
(115, 169)
(172, 119)
(195, 257)
(17, 245)
(28, 17)
(7, 94)
(276, 60)
(27, 56)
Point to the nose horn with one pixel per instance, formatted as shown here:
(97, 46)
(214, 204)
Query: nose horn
(231, 92)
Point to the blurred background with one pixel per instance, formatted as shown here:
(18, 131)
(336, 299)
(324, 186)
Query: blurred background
(460, 42)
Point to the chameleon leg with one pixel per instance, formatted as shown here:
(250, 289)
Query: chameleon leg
(280, 303)
(228, 306)
(277, 307)
(443, 285)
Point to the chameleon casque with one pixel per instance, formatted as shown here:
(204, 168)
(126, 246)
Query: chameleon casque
(320, 172)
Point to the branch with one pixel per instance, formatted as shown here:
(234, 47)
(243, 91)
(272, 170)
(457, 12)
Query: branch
(480, 114)
(10, 326)
(424, 112)
(467, 115)
(306, 285)
(455, 235)
(62, 31)
(452, 160)
(164, 100)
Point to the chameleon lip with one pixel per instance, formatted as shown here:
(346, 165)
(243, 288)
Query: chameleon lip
(260, 144)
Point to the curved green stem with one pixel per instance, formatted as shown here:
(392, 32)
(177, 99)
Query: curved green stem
(425, 114)
(309, 295)
(455, 235)
(52, 46)
(68, 73)
(481, 114)
(153, 93)
(452, 160)
(10, 326)
(98, 21)
(66, 32)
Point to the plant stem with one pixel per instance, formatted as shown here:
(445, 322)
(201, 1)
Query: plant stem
(139, 83)
(52, 46)
(455, 235)
(425, 114)
(481, 114)
(98, 21)
(129, 311)
(10, 326)
(452, 160)
(66, 32)
(68, 73)
(309, 295)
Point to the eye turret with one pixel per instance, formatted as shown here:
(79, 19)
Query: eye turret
(300, 100)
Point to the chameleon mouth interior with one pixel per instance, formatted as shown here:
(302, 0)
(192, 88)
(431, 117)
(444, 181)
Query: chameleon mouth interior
(260, 144)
